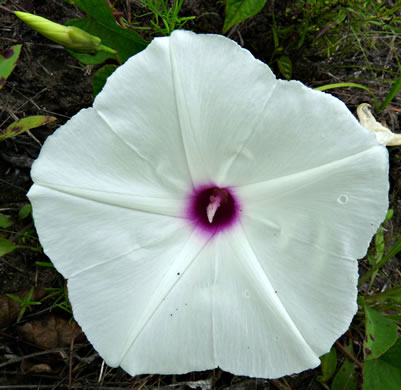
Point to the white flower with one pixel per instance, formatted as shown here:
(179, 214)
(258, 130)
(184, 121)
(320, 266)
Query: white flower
(206, 214)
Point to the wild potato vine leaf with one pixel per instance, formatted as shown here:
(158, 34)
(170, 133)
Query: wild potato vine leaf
(396, 318)
(285, 66)
(345, 377)
(328, 366)
(5, 222)
(6, 246)
(25, 124)
(239, 10)
(381, 334)
(395, 89)
(8, 60)
(384, 372)
(100, 77)
(25, 211)
(102, 23)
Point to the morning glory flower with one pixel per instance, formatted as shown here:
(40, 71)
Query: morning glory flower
(209, 215)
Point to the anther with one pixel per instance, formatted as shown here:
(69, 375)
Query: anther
(211, 209)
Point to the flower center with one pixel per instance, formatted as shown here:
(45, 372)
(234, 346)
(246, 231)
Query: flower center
(213, 209)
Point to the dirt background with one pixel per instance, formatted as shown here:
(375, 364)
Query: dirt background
(47, 81)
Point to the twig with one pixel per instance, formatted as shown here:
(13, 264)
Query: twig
(33, 137)
(128, 4)
(70, 359)
(21, 232)
(6, 9)
(350, 356)
(13, 185)
(20, 359)
(13, 266)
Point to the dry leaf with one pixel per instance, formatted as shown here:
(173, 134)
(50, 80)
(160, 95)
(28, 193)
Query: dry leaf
(27, 367)
(51, 331)
(383, 135)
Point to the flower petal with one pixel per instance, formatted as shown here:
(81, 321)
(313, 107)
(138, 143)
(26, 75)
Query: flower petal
(221, 90)
(316, 288)
(338, 206)
(81, 234)
(86, 154)
(139, 106)
(308, 228)
(222, 312)
(299, 129)
(254, 334)
(124, 299)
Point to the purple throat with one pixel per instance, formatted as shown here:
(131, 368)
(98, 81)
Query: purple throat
(213, 209)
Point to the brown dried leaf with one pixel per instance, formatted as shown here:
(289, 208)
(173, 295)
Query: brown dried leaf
(51, 331)
(28, 367)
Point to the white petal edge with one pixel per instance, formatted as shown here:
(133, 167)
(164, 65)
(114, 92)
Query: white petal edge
(300, 129)
(308, 228)
(220, 91)
(222, 313)
(86, 153)
(134, 289)
(139, 106)
(79, 234)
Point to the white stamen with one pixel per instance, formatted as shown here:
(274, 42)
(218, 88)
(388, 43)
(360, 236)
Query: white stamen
(212, 207)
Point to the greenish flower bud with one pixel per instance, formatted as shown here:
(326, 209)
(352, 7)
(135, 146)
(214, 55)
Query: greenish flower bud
(69, 36)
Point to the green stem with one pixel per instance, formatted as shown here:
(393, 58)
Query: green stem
(383, 296)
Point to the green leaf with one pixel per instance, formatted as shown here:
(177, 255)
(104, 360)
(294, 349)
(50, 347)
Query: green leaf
(8, 60)
(15, 298)
(381, 334)
(25, 124)
(97, 10)
(392, 94)
(125, 46)
(102, 23)
(391, 253)
(385, 372)
(100, 77)
(389, 215)
(346, 85)
(342, 85)
(239, 10)
(392, 294)
(345, 377)
(6, 246)
(5, 222)
(328, 365)
(395, 317)
(285, 66)
(47, 264)
(25, 211)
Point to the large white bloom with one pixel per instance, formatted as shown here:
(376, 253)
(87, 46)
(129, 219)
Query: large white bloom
(206, 214)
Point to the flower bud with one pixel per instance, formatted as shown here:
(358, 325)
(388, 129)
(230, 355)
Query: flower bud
(69, 36)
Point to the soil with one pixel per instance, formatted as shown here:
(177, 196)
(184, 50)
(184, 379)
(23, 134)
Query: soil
(48, 81)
